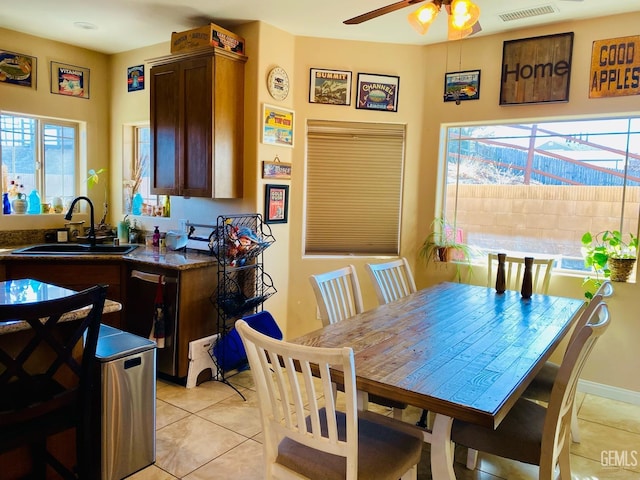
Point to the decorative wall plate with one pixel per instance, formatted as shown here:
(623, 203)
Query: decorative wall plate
(278, 83)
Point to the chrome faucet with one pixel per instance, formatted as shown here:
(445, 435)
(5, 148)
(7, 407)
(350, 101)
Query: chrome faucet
(92, 230)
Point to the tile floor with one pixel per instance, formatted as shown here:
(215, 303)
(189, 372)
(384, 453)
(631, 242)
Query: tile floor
(209, 432)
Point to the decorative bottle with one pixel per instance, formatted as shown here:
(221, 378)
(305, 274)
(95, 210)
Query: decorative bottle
(167, 206)
(136, 207)
(34, 203)
(6, 205)
(527, 285)
(500, 275)
(156, 237)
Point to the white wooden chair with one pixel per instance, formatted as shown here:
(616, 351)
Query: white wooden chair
(338, 294)
(541, 386)
(514, 271)
(532, 433)
(305, 436)
(391, 280)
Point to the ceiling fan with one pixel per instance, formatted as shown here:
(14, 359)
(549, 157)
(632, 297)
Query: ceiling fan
(462, 16)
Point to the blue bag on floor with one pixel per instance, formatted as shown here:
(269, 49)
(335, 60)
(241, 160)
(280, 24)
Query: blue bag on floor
(229, 351)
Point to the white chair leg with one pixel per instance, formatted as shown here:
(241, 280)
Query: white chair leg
(575, 430)
(397, 413)
(472, 459)
(430, 418)
(411, 474)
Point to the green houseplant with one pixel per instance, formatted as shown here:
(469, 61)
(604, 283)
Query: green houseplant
(609, 254)
(442, 245)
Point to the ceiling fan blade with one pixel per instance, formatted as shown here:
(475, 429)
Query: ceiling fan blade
(381, 11)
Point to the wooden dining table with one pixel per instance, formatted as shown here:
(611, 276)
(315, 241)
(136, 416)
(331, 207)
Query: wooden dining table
(460, 351)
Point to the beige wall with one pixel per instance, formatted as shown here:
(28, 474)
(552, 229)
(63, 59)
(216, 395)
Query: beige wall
(93, 111)
(421, 69)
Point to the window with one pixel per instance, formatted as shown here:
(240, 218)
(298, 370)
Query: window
(536, 188)
(136, 173)
(353, 188)
(40, 154)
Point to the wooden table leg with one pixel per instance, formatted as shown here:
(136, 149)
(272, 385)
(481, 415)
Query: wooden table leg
(441, 449)
(363, 401)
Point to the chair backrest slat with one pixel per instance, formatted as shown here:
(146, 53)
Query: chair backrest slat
(391, 280)
(338, 294)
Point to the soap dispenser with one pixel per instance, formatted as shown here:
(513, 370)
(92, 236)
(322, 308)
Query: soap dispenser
(156, 237)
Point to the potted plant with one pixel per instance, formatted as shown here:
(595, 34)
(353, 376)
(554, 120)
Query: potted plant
(444, 245)
(610, 255)
(92, 180)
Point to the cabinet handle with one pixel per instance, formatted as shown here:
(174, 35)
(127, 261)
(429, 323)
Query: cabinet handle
(152, 277)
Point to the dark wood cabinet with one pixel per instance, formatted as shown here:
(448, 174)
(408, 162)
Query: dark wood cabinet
(197, 106)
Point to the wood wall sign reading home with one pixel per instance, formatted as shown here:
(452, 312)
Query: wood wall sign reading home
(615, 67)
(536, 70)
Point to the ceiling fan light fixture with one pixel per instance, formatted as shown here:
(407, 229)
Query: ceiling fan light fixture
(423, 17)
(464, 14)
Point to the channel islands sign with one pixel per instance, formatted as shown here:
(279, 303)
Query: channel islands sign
(615, 67)
(536, 70)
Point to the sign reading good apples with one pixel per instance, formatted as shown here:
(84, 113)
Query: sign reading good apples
(615, 67)
(536, 70)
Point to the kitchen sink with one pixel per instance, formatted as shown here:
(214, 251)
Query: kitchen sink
(75, 249)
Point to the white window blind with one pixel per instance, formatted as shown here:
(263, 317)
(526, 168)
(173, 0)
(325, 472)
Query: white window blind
(354, 187)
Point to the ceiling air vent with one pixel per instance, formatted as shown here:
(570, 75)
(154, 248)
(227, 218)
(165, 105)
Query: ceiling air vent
(526, 13)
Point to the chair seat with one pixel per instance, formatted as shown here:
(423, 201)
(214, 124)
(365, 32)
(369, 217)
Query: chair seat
(383, 452)
(542, 384)
(518, 437)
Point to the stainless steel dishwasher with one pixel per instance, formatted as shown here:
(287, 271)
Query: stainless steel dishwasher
(128, 400)
(140, 310)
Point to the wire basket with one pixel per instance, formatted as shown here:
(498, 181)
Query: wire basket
(242, 290)
(240, 238)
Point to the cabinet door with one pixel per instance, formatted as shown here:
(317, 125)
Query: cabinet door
(228, 127)
(165, 91)
(196, 161)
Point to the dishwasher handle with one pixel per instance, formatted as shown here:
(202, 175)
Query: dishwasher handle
(152, 277)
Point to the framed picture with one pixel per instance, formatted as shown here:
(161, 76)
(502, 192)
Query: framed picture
(135, 78)
(276, 170)
(536, 70)
(18, 69)
(277, 126)
(69, 80)
(462, 86)
(378, 92)
(332, 87)
(276, 203)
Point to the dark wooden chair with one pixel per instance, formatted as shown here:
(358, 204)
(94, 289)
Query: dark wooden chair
(47, 380)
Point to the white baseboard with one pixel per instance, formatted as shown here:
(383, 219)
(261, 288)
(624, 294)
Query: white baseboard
(606, 391)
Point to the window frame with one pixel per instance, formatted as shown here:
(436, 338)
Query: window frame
(442, 177)
(40, 160)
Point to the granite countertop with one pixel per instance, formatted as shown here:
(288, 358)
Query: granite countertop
(27, 290)
(18, 325)
(178, 260)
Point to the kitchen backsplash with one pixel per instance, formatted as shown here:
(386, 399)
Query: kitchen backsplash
(10, 238)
